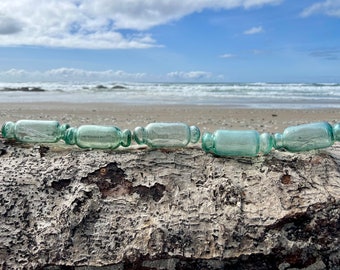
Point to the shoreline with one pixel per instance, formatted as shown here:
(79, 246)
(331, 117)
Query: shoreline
(206, 117)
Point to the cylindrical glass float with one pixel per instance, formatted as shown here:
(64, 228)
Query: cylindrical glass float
(237, 142)
(306, 137)
(158, 135)
(98, 137)
(34, 131)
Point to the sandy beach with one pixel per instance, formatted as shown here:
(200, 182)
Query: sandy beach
(207, 118)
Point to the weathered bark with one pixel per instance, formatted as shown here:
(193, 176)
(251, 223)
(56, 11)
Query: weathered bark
(176, 209)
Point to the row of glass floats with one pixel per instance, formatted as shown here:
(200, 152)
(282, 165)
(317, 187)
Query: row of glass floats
(164, 135)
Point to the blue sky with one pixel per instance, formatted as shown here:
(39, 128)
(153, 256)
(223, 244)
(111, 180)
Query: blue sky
(179, 40)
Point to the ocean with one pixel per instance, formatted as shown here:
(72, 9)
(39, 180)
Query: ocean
(233, 95)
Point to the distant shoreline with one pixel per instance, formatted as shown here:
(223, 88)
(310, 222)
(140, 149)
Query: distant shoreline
(229, 95)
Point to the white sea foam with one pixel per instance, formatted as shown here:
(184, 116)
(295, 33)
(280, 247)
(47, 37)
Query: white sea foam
(261, 95)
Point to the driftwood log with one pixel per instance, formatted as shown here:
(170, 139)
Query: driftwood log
(67, 208)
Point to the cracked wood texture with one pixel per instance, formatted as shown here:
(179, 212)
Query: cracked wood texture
(67, 208)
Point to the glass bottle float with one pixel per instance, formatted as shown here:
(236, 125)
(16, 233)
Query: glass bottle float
(34, 131)
(237, 142)
(98, 137)
(158, 135)
(307, 137)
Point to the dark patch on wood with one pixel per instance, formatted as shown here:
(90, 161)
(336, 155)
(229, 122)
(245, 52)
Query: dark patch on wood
(111, 181)
(167, 150)
(178, 240)
(246, 160)
(286, 179)
(43, 150)
(243, 262)
(298, 219)
(296, 258)
(60, 184)
(2, 147)
(2, 151)
(78, 203)
(62, 267)
(227, 194)
(154, 192)
(299, 258)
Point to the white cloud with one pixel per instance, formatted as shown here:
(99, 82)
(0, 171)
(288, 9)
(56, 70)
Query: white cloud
(254, 30)
(227, 55)
(328, 7)
(142, 15)
(97, 24)
(9, 25)
(191, 75)
(69, 74)
(65, 74)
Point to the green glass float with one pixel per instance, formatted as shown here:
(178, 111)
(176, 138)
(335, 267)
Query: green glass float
(336, 132)
(307, 137)
(158, 135)
(237, 143)
(98, 137)
(34, 131)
